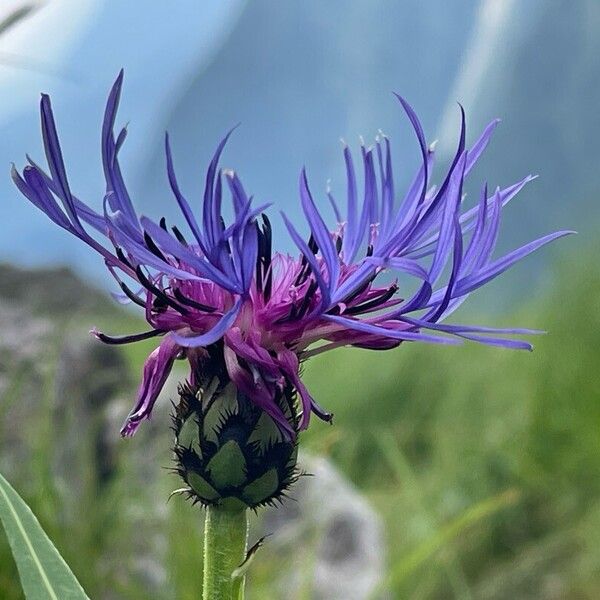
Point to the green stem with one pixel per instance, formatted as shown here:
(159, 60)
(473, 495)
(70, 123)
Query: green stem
(225, 541)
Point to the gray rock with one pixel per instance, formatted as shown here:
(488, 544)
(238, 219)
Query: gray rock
(52, 292)
(23, 341)
(326, 516)
(89, 376)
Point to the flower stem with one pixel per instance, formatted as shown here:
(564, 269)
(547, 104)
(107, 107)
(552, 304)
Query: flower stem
(225, 541)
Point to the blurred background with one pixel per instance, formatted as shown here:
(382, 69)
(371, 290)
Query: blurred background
(469, 473)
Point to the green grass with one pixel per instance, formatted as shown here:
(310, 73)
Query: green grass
(484, 464)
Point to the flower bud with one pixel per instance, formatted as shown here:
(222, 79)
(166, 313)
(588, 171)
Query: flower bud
(229, 451)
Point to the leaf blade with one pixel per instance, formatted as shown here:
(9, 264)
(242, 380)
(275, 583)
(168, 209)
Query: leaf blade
(44, 573)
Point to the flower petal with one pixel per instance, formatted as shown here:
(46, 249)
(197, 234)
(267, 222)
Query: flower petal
(212, 335)
(156, 370)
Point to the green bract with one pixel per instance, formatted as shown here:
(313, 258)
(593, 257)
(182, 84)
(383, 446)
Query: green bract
(229, 452)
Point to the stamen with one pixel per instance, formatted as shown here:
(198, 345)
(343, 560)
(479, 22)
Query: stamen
(267, 271)
(297, 312)
(121, 256)
(312, 288)
(153, 247)
(259, 255)
(305, 268)
(159, 305)
(158, 292)
(127, 339)
(189, 302)
(348, 299)
(179, 235)
(131, 295)
(374, 302)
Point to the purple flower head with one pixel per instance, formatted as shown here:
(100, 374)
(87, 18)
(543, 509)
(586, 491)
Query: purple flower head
(221, 284)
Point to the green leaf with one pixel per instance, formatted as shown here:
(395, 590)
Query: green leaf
(44, 573)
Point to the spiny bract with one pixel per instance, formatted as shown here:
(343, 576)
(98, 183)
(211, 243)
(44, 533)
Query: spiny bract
(228, 451)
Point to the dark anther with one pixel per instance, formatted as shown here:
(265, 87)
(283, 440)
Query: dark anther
(121, 256)
(359, 290)
(370, 250)
(131, 295)
(189, 302)
(163, 223)
(266, 226)
(373, 303)
(380, 346)
(158, 292)
(159, 305)
(338, 243)
(153, 247)
(127, 339)
(264, 277)
(312, 288)
(298, 311)
(179, 235)
(304, 274)
(305, 268)
(267, 233)
(261, 248)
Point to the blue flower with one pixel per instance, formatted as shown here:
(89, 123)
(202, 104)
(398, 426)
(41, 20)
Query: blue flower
(222, 287)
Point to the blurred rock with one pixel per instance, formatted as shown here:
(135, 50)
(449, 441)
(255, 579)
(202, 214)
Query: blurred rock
(55, 292)
(23, 341)
(64, 396)
(48, 368)
(88, 378)
(325, 515)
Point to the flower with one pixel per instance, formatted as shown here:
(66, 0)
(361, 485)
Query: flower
(222, 285)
